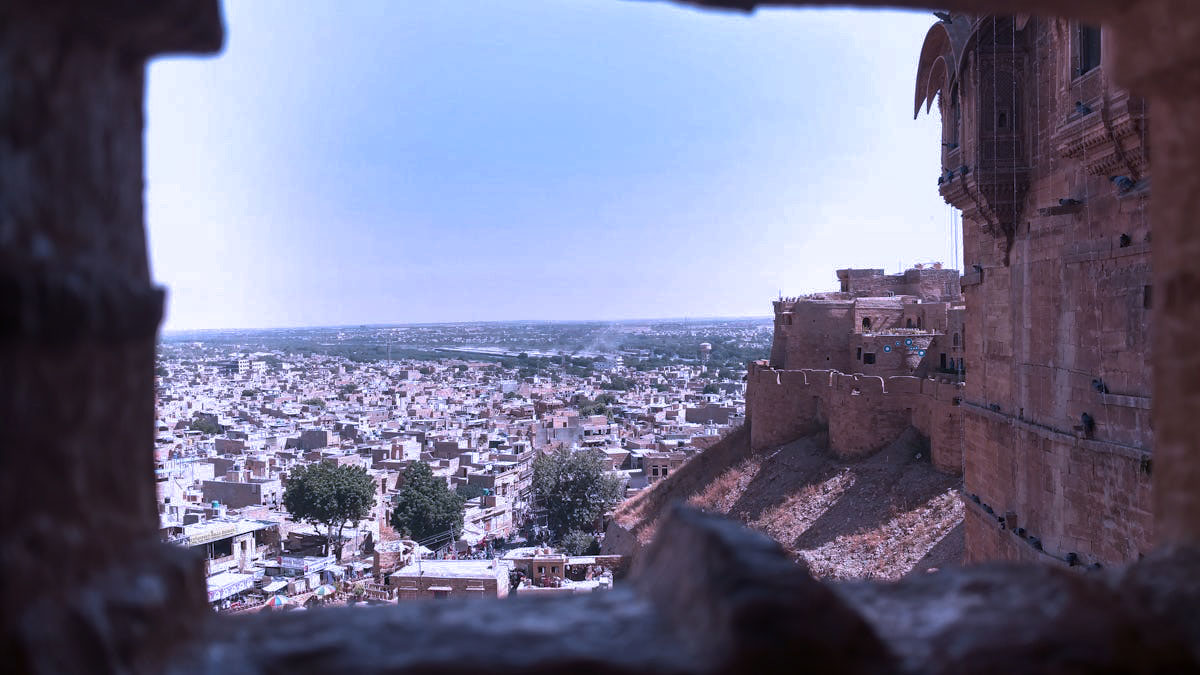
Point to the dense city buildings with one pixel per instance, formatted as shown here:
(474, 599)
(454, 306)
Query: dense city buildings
(235, 423)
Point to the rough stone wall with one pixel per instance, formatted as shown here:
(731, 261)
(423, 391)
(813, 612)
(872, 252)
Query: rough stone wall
(816, 337)
(932, 285)
(882, 313)
(783, 405)
(1075, 495)
(862, 413)
(1058, 295)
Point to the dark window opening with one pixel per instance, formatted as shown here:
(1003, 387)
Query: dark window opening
(908, 323)
(943, 362)
(1089, 48)
(956, 121)
(866, 323)
(956, 340)
(858, 354)
(1146, 299)
(869, 358)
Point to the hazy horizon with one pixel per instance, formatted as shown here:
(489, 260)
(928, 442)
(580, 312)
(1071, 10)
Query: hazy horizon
(663, 319)
(362, 164)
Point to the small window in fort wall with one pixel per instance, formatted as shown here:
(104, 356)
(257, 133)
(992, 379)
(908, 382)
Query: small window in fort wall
(869, 358)
(858, 354)
(957, 340)
(1088, 50)
(908, 323)
(787, 319)
(866, 323)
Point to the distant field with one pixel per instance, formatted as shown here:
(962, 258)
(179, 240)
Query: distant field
(651, 342)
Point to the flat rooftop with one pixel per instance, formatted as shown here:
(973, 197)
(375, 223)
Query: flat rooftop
(454, 569)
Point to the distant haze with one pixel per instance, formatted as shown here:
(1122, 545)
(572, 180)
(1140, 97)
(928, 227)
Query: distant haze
(368, 162)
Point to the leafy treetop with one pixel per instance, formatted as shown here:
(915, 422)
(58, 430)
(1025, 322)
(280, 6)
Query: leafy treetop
(575, 489)
(426, 507)
(330, 495)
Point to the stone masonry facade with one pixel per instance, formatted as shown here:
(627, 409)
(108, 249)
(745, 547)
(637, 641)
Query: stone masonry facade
(1048, 162)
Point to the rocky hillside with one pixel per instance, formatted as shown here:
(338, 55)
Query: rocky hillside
(879, 517)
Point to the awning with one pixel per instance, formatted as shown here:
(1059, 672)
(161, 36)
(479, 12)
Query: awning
(275, 586)
(225, 584)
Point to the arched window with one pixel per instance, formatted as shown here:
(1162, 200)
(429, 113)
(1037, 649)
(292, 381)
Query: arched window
(957, 340)
(920, 322)
(866, 323)
(908, 324)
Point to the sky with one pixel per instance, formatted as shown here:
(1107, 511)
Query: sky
(376, 161)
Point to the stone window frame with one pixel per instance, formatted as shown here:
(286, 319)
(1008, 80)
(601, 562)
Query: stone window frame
(122, 631)
(1080, 32)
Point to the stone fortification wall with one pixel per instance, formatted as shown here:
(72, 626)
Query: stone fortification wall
(929, 284)
(813, 333)
(1075, 495)
(862, 413)
(1057, 338)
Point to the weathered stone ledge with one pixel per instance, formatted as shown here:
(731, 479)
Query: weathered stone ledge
(710, 596)
(53, 304)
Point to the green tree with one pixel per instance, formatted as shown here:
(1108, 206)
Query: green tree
(206, 424)
(578, 542)
(313, 401)
(426, 506)
(618, 383)
(575, 489)
(711, 389)
(329, 495)
(470, 490)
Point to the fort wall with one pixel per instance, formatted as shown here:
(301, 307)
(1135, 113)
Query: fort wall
(862, 413)
(1056, 244)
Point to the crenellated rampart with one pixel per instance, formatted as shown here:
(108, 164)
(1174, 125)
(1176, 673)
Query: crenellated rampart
(862, 413)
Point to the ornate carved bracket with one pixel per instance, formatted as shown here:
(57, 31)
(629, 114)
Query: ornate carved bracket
(1109, 140)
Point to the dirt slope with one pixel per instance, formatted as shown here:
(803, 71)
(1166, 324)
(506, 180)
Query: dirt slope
(879, 517)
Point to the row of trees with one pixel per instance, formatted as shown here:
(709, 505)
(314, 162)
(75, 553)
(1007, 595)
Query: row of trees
(574, 488)
(335, 496)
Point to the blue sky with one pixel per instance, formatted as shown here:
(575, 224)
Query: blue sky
(388, 162)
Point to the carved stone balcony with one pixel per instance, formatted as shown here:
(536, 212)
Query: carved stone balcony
(1108, 141)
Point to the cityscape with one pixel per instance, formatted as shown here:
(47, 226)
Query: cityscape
(242, 414)
(322, 355)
